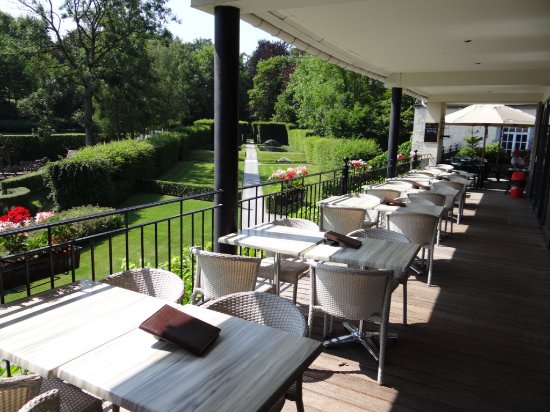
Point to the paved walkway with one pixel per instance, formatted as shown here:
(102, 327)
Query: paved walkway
(252, 211)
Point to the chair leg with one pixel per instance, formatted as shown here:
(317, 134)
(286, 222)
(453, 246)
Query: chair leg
(405, 301)
(295, 291)
(430, 264)
(299, 401)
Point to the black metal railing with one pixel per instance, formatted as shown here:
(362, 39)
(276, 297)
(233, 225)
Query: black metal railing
(146, 237)
(160, 241)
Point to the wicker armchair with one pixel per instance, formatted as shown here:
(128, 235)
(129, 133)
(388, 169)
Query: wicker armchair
(220, 274)
(15, 392)
(159, 283)
(384, 193)
(46, 402)
(418, 228)
(291, 268)
(461, 197)
(435, 199)
(385, 234)
(344, 219)
(353, 294)
(270, 310)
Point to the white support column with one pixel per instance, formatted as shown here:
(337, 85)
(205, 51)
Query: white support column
(435, 113)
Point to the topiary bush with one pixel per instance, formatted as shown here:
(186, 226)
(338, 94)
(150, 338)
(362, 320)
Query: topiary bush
(17, 196)
(265, 131)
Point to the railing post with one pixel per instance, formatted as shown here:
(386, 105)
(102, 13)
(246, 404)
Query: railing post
(415, 159)
(345, 176)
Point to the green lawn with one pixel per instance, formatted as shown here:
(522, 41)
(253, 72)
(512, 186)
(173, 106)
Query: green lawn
(272, 157)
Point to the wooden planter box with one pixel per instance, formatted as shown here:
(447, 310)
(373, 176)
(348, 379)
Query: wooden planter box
(14, 274)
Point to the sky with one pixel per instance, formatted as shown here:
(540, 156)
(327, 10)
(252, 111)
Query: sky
(193, 24)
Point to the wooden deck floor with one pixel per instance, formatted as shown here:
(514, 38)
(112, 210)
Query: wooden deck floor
(478, 339)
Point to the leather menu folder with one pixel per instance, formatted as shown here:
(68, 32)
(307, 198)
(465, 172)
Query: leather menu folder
(181, 329)
(343, 239)
(393, 202)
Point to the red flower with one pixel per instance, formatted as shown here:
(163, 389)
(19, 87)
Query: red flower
(16, 215)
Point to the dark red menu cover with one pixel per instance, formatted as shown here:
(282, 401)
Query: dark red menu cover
(181, 329)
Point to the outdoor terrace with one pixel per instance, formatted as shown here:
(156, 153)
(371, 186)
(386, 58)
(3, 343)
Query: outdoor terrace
(478, 339)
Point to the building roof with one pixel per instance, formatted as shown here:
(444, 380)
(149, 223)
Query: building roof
(467, 51)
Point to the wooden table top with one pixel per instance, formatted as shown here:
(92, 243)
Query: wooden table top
(362, 202)
(275, 238)
(248, 367)
(436, 211)
(47, 330)
(87, 334)
(376, 253)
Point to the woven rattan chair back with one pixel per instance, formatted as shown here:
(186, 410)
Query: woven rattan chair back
(18, 390)
(297, 223)
(417, 227)
(384, 193)
(342, 219)
(269, 310)
(46, 402)
(354, 295)
(434, 199)
(159, 283)
(263, 308)
(220, 274)
(349, 293)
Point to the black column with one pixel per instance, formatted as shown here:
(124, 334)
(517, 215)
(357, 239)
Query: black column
(226, 122)
(396, 94)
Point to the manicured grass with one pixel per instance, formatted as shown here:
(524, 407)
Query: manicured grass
(198, 169)
(192, 233)
(266, 170)
(272, 157)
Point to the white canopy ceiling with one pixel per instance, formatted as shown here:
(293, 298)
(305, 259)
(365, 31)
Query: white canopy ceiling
(465, 51)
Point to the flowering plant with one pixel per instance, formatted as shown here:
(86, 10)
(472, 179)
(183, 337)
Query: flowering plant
(360, 165)
(16, 218)
(290, 173)
(400, 156)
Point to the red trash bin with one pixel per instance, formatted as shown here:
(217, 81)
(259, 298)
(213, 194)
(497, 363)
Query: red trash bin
(517, 183)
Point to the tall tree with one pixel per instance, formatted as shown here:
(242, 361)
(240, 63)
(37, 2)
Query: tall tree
(271, 79)
(100, 29)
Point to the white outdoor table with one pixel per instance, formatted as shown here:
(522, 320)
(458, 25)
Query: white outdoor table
(361, 202)
(281, 240)
(249, 366)
(52, 328)
(376, 253)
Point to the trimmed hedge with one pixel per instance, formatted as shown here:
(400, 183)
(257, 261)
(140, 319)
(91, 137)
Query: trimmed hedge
(16, 196)
(105, 174)
(264, 131)
(30, 147)
(33, 181)
(245, 129)
(329, 152)
(164, 187)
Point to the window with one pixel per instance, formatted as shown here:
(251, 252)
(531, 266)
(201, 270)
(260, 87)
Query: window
(515, 138)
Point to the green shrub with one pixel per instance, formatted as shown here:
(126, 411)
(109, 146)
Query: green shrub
(491, 151)
(329, 152)
(31, 147)
(174, 188)
(245, 129)
(264, 131)
(467, 152)
(381, 160)
(79, 182)
(34, 181)
(91, 226)
(17, 196)
(167, 149)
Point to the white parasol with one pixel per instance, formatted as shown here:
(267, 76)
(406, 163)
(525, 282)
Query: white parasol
(490, 115)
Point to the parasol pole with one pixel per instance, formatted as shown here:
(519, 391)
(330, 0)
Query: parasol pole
(499, 144)
(484, 142)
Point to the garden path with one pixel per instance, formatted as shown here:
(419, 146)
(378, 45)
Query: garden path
(252, 210)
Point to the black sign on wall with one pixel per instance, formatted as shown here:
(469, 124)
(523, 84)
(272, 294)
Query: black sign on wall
(430, 132)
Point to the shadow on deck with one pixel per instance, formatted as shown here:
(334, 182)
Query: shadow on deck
(478, 339)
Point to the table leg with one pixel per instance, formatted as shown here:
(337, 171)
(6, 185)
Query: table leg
(277, 272)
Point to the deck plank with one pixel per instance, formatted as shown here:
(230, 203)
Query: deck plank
(478, 339)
